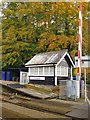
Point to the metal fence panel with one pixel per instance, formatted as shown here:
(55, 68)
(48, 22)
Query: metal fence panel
(69, 89)
(63, 89)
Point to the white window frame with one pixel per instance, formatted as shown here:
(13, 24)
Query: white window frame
(46, 73)
(43, 71)
(64, 75)
(59, 70)
(39, 71)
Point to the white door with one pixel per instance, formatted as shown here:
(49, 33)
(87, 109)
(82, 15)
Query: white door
(23, 77)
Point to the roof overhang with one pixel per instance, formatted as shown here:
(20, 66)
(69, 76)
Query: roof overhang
(66, 54)
(40, 65)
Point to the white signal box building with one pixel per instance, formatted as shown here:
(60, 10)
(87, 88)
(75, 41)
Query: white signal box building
(49, 67)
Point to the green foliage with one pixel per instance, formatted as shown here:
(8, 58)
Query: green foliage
(29, 28)
(88, 80)
(88, 75)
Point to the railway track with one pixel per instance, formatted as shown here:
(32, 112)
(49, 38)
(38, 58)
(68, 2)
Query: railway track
(40, 105)
(31, 103)
(43, 110)
(31, 106)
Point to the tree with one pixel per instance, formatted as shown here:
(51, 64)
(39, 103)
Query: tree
(63, 27)
(29, 28)
(17, 45)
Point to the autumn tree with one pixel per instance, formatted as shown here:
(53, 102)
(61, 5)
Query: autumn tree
(29, 28)
(64, 28)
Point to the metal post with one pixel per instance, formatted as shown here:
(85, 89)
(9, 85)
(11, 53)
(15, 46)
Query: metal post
(85, 84)
(56, 75)
(80, 46)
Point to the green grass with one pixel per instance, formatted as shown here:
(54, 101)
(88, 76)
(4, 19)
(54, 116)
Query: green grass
(41, 90)
(56, 109)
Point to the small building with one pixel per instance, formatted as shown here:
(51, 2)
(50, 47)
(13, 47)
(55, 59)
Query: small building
(50, 67)
(85, 61)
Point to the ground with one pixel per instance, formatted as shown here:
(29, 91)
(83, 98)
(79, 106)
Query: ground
(50, 107)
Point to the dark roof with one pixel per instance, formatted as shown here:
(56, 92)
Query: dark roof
(47, 58)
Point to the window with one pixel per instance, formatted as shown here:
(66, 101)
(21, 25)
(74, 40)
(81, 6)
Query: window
(64, 71)
(31, 71)
(40, 71)
(58, 70)
(51, 70)
(46, 71)
(36, 71)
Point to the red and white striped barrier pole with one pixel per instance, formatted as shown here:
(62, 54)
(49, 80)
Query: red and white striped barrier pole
(80, 43)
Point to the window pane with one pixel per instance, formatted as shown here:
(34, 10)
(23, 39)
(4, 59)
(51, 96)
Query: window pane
(36, 71)
(58, 70)
(40, 71)
(31, 71)
(46, 71)
(51, 70)
(63, 70)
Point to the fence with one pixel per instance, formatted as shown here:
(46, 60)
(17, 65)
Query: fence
(69, 89)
